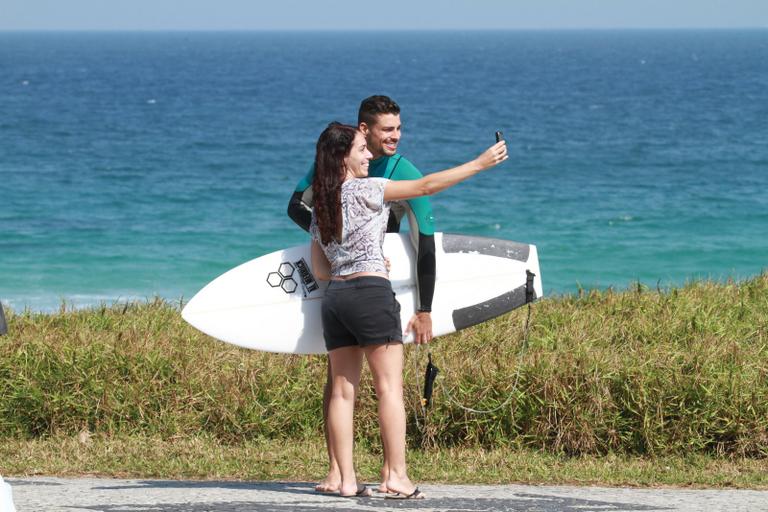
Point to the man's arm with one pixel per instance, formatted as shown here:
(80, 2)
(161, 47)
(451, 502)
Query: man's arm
(300, 205)
(299, 211)
(422, 227)
(426, 271)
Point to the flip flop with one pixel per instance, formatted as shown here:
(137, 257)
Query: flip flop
(378, 490)
(415, 495)
(365, 492)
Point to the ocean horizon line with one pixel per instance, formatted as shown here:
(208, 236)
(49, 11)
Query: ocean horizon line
(372, 31)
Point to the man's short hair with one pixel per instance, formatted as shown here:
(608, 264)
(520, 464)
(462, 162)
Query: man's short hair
(376, 105)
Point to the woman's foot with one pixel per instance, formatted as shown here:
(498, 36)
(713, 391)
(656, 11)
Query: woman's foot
(361, 492)
(415, 495)
(329, 484)
(402, 488)
(383, 485)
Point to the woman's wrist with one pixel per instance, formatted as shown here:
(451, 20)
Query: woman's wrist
(478, 165)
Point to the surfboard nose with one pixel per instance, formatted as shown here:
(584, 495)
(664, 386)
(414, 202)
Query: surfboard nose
(187, 312)
(6, 497)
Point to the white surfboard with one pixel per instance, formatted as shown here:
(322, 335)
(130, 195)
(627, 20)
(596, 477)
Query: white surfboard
(272, 303)
(6, 497)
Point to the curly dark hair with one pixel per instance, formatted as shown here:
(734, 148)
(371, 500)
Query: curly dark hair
(373, 106)
(333, 146)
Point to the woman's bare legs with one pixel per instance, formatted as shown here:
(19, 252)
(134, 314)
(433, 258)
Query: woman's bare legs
(346, 363)
(332, 480)
(386, 363)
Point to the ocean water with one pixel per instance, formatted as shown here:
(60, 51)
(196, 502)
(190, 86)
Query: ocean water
(142, 164)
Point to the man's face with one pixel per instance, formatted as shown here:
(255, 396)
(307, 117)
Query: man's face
(383, 136)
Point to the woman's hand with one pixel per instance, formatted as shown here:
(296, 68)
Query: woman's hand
(492, 156)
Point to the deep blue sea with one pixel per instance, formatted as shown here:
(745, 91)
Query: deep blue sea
(142, 164)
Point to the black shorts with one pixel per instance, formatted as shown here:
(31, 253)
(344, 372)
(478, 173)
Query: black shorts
(359, 312)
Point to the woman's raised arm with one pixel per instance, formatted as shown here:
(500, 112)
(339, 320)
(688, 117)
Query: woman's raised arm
(435, 182)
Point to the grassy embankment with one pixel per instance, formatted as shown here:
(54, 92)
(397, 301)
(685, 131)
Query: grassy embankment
(640, 387)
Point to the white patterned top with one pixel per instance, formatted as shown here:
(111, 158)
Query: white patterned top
(364, 217)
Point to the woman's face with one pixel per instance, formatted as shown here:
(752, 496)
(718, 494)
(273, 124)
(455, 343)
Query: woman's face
(356, 162)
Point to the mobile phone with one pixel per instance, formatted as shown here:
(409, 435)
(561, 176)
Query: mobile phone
(499, 136)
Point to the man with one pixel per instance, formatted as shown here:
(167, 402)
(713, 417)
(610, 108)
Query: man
(379, 120)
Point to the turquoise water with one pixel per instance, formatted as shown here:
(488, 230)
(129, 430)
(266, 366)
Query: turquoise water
(136, 164)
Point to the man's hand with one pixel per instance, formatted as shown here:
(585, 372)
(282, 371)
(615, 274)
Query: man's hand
(421, 324)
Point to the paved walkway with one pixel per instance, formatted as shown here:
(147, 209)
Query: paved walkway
(109, 495)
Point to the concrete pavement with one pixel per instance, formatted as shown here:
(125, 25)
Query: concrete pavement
(46, 494)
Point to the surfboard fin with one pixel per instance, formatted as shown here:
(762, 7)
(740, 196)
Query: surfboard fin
(429, 380)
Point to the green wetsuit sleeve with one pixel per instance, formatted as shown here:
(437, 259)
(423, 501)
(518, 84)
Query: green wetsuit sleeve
(420, 206)
(421, 209)
(306, 181)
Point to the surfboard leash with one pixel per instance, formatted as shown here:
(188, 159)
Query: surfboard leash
(432, 371)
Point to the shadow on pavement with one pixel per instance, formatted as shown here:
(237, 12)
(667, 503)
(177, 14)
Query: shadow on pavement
(292, 487)
(301, 497)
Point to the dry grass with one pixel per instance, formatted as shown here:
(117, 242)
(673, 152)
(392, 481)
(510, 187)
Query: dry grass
(636, 373)
(201, 457)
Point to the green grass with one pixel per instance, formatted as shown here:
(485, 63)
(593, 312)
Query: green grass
(202, 457)
(615, 380)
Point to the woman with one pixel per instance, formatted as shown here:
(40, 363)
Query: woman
(361, 317)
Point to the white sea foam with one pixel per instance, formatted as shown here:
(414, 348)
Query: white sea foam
(622, 218)
(52, 303)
